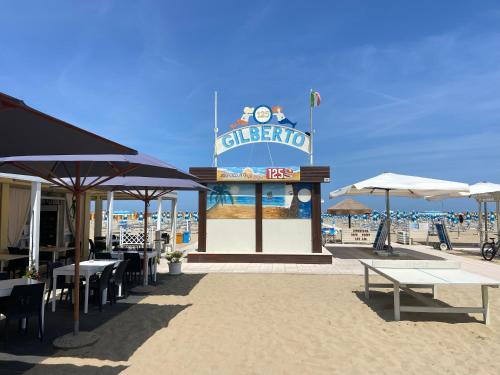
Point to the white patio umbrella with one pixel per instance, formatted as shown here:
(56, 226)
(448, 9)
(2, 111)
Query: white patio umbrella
(392, 184)
(482, 192)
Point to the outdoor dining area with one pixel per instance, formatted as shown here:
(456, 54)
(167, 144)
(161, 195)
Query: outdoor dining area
(61, 163)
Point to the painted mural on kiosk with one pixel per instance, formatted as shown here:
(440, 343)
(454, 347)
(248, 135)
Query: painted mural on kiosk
(231, 201)
(286, 201)
(279, 201)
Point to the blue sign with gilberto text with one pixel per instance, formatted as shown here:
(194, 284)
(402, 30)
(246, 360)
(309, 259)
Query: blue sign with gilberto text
(263, 133)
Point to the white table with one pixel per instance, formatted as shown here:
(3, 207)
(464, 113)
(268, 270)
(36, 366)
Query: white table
(150, 255)
(4, 258)
(6, 287)
(55, 250)
(87, 269)
(410, 274)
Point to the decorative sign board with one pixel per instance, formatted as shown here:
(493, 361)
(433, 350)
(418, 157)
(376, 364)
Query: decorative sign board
(258, 174)
(261, 134)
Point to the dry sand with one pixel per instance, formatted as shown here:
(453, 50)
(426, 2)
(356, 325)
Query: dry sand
(292, 324)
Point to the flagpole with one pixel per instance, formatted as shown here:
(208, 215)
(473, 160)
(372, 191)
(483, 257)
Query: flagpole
(311, 128)
(216, 130)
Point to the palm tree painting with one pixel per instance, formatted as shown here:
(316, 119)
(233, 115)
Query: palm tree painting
(231, 201)
(221, 195)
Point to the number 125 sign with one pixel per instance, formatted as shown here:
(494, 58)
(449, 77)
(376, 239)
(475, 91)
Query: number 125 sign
(281, 174)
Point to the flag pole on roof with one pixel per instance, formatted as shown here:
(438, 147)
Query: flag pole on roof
(315, 100)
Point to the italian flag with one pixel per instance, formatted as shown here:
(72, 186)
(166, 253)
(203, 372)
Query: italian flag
(315, 99)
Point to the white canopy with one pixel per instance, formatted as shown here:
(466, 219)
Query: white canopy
(392, 184)
(482, 191)
(401, 185)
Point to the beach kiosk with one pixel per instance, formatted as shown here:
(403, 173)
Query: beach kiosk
(258, 214)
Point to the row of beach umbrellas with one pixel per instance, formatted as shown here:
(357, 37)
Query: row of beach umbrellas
(392, 184)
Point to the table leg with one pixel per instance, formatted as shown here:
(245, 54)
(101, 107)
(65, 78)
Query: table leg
(486, 304)
(104, 296)
(397, 312)
(1, 265)
(54, 288)
(86, 305)
(53, 257)
(367, 283)
(434, 291)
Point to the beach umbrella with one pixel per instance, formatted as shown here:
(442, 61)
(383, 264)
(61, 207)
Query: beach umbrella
(349, 207)
(27, 131)
(392, 184)
(148, 189)
(482, 192)
(71, 172)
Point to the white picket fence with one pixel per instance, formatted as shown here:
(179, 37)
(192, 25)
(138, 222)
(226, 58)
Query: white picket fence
(135, 237)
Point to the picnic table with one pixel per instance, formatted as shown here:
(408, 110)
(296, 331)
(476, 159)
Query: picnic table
(412, 274)
(87, 269)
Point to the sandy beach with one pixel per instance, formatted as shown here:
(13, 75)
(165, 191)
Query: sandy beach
(285, 324)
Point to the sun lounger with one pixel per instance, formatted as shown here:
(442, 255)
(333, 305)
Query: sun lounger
(411, 274)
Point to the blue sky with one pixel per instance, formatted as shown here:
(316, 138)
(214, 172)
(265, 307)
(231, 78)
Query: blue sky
(407, 87)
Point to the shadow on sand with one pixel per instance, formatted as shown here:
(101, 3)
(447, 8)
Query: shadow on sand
(383, 304)
(122, 328)
(167, 285)
(355, 252)
(15, 368)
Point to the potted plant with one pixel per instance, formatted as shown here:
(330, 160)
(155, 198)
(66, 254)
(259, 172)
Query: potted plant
(174, 259)
(31, 272)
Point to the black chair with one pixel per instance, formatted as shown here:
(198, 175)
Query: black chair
(24, 302)
(4, 276)
(98, 286)
(17, 251)
(134, 267)
(118, 279)
(100, 243)
(69, 256)
(61, 283)
(165, 237)
(17, 267)
(102, 255)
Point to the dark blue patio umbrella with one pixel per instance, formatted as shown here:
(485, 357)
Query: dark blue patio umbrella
(147, 189)
(72, 173)
(27, 131)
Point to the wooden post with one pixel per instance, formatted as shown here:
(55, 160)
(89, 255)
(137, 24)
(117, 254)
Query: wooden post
(202, 221)
(258, 218)
(316, 218)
